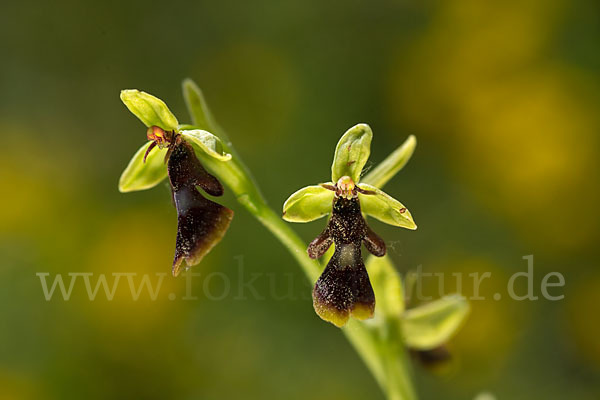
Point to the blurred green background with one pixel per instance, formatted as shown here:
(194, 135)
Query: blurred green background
(503, 97)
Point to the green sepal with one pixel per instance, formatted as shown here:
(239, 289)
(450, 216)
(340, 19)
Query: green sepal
(308, 204)
(431, 325)
(352, 153)
(197, 106)
(206, 142)
(393, 163)
(139, 175)
(384, 207)
(151, 110)
(387, 286)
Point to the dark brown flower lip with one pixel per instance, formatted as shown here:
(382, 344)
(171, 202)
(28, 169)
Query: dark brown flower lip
(344, 288)
(201, 223)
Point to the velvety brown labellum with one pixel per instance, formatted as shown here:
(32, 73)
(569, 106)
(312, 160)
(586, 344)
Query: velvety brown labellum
(201, 223)
(344, 288)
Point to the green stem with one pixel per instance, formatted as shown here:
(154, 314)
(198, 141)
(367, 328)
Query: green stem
(295, 245)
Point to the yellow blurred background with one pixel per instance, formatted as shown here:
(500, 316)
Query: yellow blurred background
(503, 97)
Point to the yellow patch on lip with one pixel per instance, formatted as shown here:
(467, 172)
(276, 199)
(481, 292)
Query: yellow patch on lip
(331, 314)
(363, 311)
(338, 317)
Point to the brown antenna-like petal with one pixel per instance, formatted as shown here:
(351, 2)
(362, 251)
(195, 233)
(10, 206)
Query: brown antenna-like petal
(320, 245)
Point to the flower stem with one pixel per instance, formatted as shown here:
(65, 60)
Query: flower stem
(295, 245)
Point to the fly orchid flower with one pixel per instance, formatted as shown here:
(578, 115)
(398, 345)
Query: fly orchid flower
(174, 152)
(344, 288)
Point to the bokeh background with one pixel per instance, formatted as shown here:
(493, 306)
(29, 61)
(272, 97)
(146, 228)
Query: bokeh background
(503, 97)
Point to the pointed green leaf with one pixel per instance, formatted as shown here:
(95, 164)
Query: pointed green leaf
(387, 286)
(352, 153)
(206, 142)
(308, 204)
(139, 175)
(385, 208)
(431, 325)
(197, 106)
(385, 170)
(151, 110)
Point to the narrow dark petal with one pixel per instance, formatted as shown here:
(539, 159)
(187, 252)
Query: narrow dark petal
(374, 243)
(152, 145)
(185, 169)
(328, 187)
(201, 224)
(344, 288)
(367, 192)
(320, 245)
